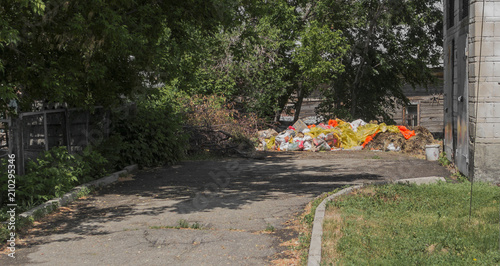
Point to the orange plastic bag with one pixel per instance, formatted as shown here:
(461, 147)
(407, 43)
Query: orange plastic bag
(333, 123)
(406, 132)
(369, 138)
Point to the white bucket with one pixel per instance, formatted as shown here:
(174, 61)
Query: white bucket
(432, 152)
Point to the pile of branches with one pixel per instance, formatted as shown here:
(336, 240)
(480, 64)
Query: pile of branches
(206, 139)
(215, 125)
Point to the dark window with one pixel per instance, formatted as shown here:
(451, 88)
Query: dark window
(464, 9)
(450, 14)
(412, 115)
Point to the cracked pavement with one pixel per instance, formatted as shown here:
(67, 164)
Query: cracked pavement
(232, 200)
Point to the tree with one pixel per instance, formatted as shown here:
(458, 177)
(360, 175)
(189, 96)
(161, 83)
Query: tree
(276, 52)
(88, 53)
(391, 43)
(251, 60)
(319, 59)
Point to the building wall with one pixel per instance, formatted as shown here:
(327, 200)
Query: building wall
(484, 89)
(472, 87)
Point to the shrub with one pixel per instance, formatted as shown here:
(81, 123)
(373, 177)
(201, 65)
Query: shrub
(91, 165)
(50, 175)
(111, 149)
(151, 135)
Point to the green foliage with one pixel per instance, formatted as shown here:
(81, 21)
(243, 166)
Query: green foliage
(195, 225)
(392, 43)
(426, 224)
(459, 176)
(319, 54)
(183, 223)
(91, 165)
(3, 179)
(51, 175)
(4, 233)
(269, 228)
(252, 61)
(87, 53)
(151, 134)
(111, 149)
(443, 160)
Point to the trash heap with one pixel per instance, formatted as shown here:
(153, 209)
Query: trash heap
(339, 135)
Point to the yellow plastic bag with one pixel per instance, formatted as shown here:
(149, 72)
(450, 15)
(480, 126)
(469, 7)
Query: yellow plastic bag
(348, 137)
(270, 142)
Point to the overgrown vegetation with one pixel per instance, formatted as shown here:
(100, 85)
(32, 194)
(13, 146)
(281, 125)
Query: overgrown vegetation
(456, 175)
(205, 82)
(443, 160)
(149, 134)
(215, 125)
(51, 175)
(263, 55)
(402, 224)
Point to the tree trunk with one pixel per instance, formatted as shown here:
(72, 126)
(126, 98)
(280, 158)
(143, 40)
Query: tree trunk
(282, 101)
(298, 104)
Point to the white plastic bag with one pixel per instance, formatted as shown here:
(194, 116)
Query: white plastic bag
(357, 123)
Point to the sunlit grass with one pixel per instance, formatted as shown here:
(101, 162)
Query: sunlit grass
(412, 225)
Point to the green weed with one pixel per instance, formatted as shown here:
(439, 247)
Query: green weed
(269, 228)
(443, 160)
(183, 223)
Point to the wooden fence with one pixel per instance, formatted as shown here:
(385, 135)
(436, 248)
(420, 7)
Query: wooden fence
(32, 133)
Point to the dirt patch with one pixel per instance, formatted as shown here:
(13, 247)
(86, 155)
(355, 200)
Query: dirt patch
(294, 240)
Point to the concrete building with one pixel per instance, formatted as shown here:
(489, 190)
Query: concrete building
(472, 87)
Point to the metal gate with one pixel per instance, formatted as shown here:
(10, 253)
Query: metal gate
(32, 133)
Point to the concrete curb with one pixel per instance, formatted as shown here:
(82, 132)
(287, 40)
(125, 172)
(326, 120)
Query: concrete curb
(317, 231)
(314, 258)
(49, 206)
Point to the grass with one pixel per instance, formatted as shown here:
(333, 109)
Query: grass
(456, 175)
(402, 224)
(269, 228)
(307, 221)
(181, 224)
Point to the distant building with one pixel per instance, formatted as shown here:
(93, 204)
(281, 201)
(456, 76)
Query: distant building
(425, 108)
(471, 87)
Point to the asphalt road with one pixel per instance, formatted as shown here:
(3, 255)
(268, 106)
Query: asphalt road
(233, 202)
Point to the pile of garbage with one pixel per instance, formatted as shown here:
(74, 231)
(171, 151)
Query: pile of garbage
(341, 135)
